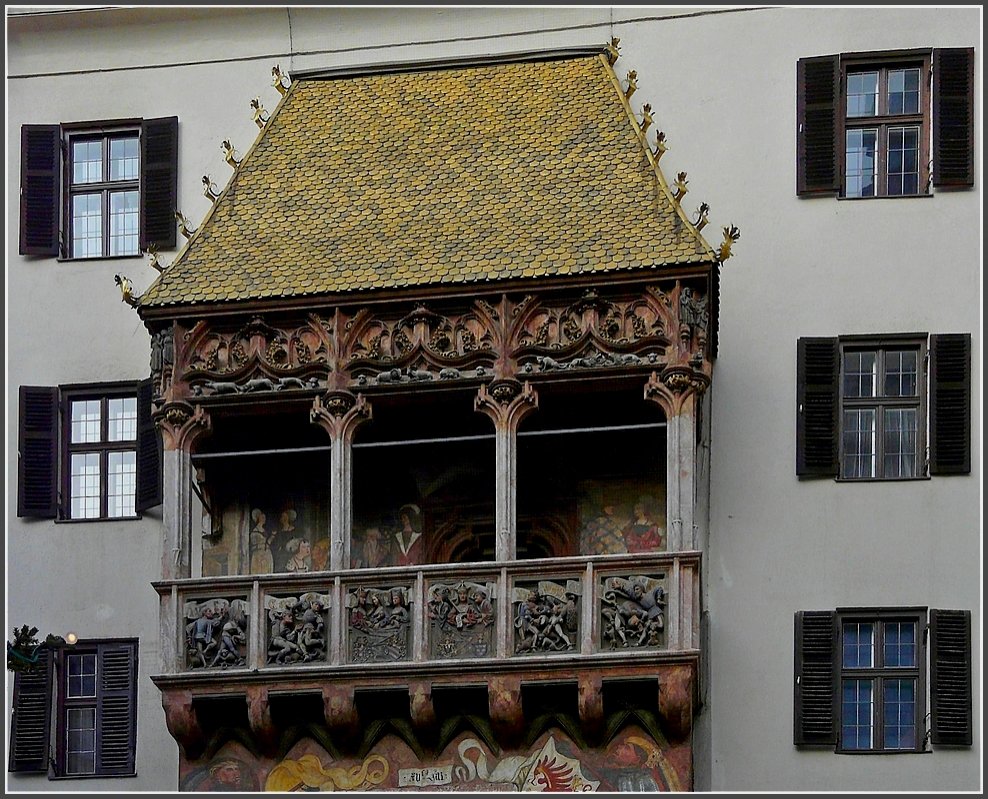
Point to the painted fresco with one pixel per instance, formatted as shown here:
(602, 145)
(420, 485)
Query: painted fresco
(389, 539)
(622, 517)
(631, 762)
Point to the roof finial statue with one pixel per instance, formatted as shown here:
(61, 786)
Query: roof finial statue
(230, 154)
(126, 290)
(613, 51)
(153, 261)
(680, 185)
(632, 84)
(209, 189)
(278, 79)
(731, 235)
(183, 225)
(701, 217)
(660, 145)
(646, 117)
(261, 116)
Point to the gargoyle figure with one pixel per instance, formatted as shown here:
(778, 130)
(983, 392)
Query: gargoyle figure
(261, 116)
(613, 50)
(209, 190)
(632, 84)
(646, 117)
(731, 235)
(701, 217)
(279, 79)
(126, 291)
(680, 185)
(230, 154)
(660, 145)
(183, 225)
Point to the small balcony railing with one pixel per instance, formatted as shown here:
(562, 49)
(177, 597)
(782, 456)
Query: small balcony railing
(614, 607)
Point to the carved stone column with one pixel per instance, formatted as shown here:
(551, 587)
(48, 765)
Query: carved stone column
(506, 402)
(181, 425)
(676, 390)
(339, 413)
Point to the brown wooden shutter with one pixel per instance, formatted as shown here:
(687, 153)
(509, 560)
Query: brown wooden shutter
(817, 371)
(40, 189)
(950, 403)
(159, 181)
(116, 724)
(950, 677)
(37, 452)
(815, 689)
(817, 106)
(149, 493)
(953, 117)
(30, 722)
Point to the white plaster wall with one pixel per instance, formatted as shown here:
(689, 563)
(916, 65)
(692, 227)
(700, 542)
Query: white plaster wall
(722, 87)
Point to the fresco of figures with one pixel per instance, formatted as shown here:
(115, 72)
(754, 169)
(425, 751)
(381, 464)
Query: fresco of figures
(623, 518)
(389, 540)
(461, 620)
(378, 624)
(546, 617)
(633, 611)
(216, 633)
(632, 761)
(297, 628)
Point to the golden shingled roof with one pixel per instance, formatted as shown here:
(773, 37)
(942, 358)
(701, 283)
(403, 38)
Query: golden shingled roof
(444, 176)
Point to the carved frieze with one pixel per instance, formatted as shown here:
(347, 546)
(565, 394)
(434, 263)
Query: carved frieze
(378, 624)
(216, 632)
(546, 616)
(162, 361)
(632, 612)
(461, 620)
(297, 628)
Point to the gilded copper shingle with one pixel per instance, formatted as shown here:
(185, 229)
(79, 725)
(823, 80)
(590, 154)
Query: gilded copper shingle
(436, 177)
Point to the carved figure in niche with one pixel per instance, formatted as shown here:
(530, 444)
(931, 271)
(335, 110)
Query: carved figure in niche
(380, 622)
(398, 612)
(284, 646)
(461, 620)
(408, 536)
(231, 639)
(298, 628)
(633, 611)
(643, 534)
(547, 617)
(300, 553)
(603, 535)
(204, 639)
(261, 557)
(370, 551)
(216, 633)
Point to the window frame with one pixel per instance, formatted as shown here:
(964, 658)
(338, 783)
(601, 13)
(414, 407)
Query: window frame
(102, 392)
(879, 673)
(62, 704)
(882, 121)
(881, 345)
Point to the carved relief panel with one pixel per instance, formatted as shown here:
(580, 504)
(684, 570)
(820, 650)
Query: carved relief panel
(632, 612)
(461, 619)
(297, 628)
(216, 632)
(546, 616)
(378, 624)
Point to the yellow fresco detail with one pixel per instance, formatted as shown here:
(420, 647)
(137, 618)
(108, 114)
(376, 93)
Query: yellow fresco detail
(308, 773)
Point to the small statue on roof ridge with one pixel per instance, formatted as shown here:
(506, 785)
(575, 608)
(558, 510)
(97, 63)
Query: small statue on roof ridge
(261, 116)
(230, 154)
(731, 235)
(680, 185)
(126, 291)
(279, 79)
(209, 189)
(613, 51)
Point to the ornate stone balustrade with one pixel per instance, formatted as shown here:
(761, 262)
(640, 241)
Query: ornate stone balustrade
(492, 616)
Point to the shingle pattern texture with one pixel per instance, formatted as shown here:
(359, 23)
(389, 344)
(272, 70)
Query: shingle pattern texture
(452, 176)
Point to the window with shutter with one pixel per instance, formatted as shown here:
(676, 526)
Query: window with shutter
(40, 181)
(953, 117)
(30, 722)
(816, 639)
(817, 98)
(816, 407)
(149, 489)
(159, 177)
(950, 677)
(37, 452)
(950, 404)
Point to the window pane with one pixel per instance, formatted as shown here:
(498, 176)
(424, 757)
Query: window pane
(124, 221)
(901, 370)
(904, 91)
(858, 647)
(903, 160)
(856, 714)
(900, 442)
(121, 483)
(122, 414)
(80, 750)
(82, 676)
(900, 644)
(860, 371)
(87, 161)
(860, 163)
(862, 94)
(123, 159)
(899, 714)
(84, 491)
(859, 443)
(87, 226)
(85, 421)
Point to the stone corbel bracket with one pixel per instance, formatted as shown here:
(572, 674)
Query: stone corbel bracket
(674, 386)
(182, 424)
